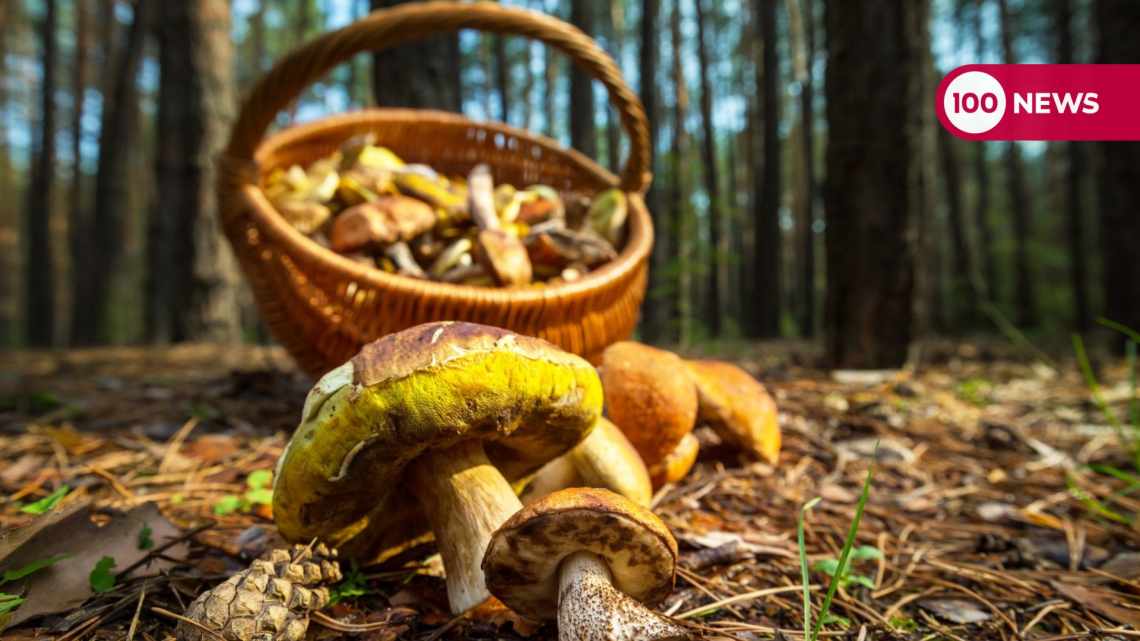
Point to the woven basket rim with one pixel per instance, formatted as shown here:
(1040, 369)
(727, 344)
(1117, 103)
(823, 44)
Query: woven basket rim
(639, 234)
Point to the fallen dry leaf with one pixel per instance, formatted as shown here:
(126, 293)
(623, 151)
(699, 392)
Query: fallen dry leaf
(955, 610)
(65, 585)
(1102, 601)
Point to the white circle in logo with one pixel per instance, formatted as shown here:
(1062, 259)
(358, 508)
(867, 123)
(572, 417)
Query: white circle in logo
(974, 102)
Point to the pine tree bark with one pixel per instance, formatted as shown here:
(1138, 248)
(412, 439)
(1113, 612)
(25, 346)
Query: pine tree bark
(39, 266)
(1118, 22)
(9, 219)
(583, 135)
(766, 266)
(983, 225)
(195, 108)
(715, 285)
(963, 285)
(874, 192)
(616, 33)
(655, 310)
(503, 79)
(1021, 203)
(79, 227)
(108, 220)
(1074, 177)
(807, 320)
(424, 74)
(681, 312)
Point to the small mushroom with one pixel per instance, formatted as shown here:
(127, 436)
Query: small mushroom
(677, 464)
(605, 459)
(589, 559)
(737, 407)
(420, 432)
(607, 214)
(401, 255)
(502, 253)
(386, 220)
(563, 246)
(650, 396)
(432, 192)
(540, 203)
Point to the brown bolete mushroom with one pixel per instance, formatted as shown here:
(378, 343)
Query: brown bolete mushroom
(501, 253)
(737, 407)
(605, 459)
(589, 559)
(421, 431)
(677, 464)
(386, 220)
(650, 396)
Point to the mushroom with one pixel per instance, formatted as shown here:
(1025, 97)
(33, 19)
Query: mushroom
(589, 559)
(650, 396)
(605, 459)
(421, 432)
(737, 407)
(502, 253)
(386, 220)
(677, 464)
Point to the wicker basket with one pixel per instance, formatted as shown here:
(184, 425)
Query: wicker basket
(322, 306)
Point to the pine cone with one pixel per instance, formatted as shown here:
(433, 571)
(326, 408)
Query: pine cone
(269, 601)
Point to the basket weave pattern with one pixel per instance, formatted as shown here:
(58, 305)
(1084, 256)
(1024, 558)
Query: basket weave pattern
(323, 306)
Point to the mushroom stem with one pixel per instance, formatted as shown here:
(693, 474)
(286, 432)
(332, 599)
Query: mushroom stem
(590, 608)
(465, 499)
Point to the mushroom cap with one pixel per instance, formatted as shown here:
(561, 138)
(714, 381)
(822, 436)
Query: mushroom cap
(430, 386)
(650, 396)
(738, 407)
(674, 467)
(522, 561)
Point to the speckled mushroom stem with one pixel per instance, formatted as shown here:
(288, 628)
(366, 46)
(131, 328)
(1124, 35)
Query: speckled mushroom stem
(590, 608)
(465, 499)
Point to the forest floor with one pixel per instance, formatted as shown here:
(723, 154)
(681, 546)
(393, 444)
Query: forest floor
(983, 519)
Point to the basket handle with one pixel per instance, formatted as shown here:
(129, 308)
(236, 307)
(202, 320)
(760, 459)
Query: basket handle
(415, 21)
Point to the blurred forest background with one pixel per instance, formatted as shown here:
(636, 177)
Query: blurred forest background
(802, 185)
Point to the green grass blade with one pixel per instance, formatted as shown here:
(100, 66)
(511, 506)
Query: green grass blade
(848, 544)
(1092, 504)
(1094, 389)
(1120, 327)
(805, 572)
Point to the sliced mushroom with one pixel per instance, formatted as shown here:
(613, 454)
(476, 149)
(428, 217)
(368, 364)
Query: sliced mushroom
(391, 444)
(737, 407)
(589, 559)
(605, 459)
(650, 396)
(677, 464)
(502, 253)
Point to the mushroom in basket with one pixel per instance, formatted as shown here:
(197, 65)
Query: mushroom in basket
(589, 559)
(421, 431)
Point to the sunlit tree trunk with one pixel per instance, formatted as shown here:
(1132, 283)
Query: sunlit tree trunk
(1074, 176)
(765, 295)
(713, 307)
(422, 74)
(874, 191)
(1118, 22)
(196, 106)
(39, 264)
(1021, 203)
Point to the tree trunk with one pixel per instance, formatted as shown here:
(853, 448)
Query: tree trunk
(1118, 22)
(963, 280)
(982, 223)
(423, 74)
(39, 266)
(717, 251)
(655, 309)
(681, 240)
(807, 129)
(79, 228)
(503, 79)
(195, 108)
(766, 267)
(1074, 173)
(616, 27)
(1021, 203)
(108, 222)
(874, 191)
(583, 136)
(9, 218)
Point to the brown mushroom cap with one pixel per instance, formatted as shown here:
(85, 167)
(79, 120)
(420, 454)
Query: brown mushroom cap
(432, 386)
(674, 467)
(522, 562)
(738, 407)
(650, 396)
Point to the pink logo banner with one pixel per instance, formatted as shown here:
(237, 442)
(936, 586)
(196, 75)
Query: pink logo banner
(1041, 102)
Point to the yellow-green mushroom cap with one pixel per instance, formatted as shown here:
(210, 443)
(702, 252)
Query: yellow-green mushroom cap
(433, 386)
